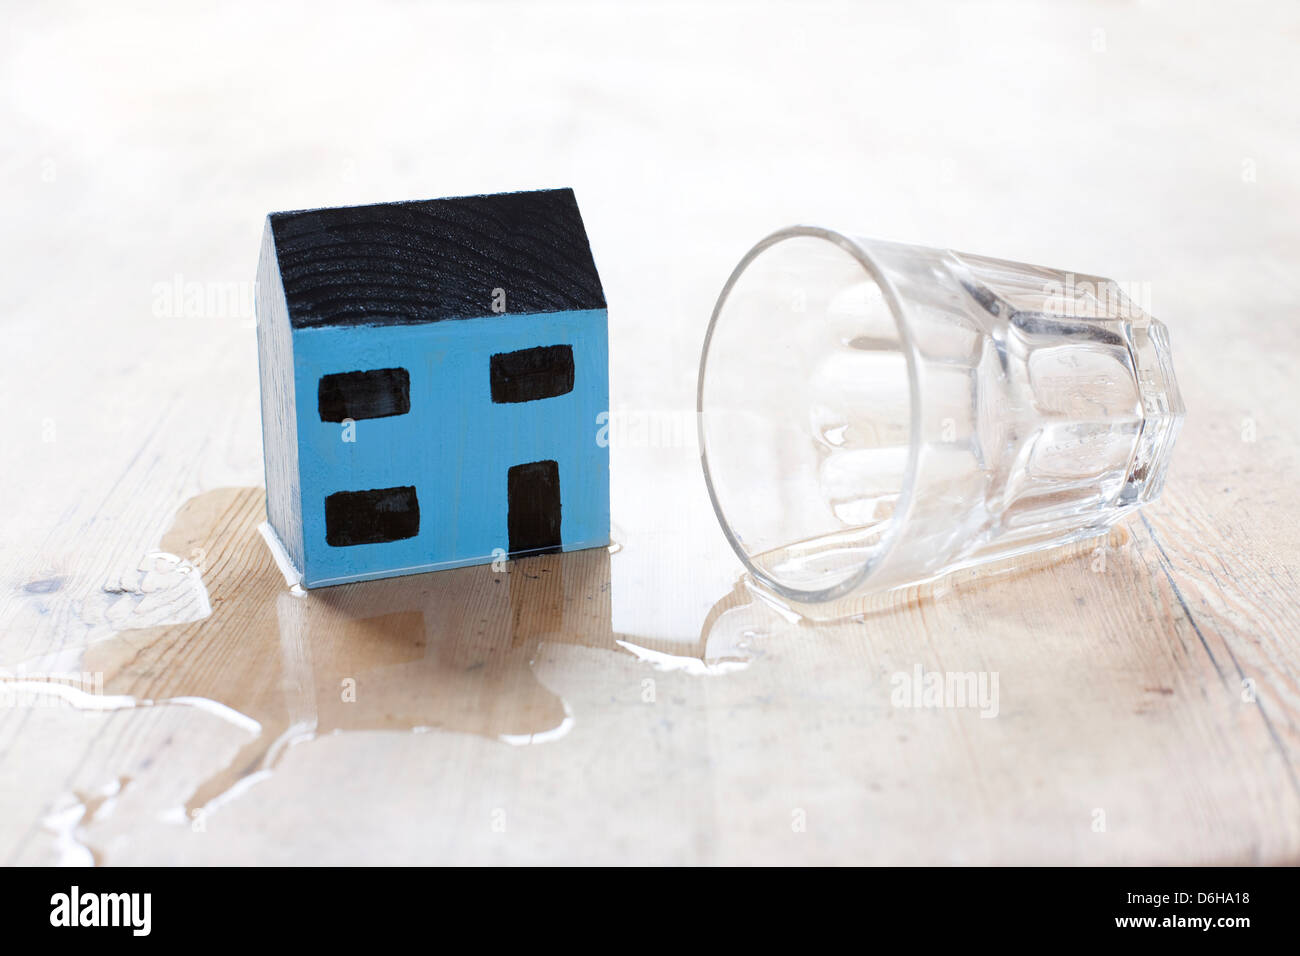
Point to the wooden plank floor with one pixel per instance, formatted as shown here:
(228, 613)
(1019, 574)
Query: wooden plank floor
(168, 700)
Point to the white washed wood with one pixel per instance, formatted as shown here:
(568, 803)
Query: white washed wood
(143, 150)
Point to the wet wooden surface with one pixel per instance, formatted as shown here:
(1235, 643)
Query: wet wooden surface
(168, 699)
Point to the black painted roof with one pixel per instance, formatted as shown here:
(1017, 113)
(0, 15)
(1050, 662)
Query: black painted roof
(425, 261)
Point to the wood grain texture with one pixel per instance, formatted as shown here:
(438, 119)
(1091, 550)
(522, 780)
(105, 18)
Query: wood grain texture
(358, 288)
(277, 389)
(425, 261)
(637, 706)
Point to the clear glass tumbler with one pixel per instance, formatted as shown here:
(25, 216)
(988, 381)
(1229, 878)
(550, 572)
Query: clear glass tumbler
(874, 415)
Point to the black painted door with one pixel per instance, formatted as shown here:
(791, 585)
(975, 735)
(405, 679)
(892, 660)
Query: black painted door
(534, 507)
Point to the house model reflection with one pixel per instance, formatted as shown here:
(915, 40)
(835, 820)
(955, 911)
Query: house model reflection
(431, 377)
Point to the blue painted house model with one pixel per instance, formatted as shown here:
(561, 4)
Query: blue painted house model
(431, 377)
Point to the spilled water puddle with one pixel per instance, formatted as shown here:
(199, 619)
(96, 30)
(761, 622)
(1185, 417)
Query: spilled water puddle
(451, 651)
(72, 812)
(466, 651)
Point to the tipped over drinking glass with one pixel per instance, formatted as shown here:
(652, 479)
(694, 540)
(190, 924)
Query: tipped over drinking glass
(874, 415)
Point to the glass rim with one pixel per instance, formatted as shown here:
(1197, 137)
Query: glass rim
(908, 347)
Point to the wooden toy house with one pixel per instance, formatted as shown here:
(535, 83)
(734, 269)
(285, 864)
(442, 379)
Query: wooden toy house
(432, 375)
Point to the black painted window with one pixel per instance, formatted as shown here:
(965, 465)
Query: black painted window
(371, 517)
(531, 374)
(378, 393)
(533, 496)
